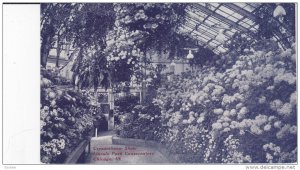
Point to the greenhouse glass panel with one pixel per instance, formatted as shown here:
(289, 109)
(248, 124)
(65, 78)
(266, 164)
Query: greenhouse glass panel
(212, 44)
(216, 42)
(209, 22)
(205, 38)
(232, 18)
(245, 24)
(214, 4)
(211, 31)
(198, 17)
(225, 10)
(238, 16)
(249, 8)
(230, 33)
(214, 20)
(211, 6)
(241, 4)
(254, 5)
(221, 49)
(200, 14)
(216, 51)
(222, 13)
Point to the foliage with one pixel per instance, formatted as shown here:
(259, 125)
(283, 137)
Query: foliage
(270, 26)
(66, 119)
(90, 71)
(83, 27)
(140, 27)
(91, 26)
(244, 112)
(253, 100)
(241, 42)
(51, 76)
(202, 56)
(141, 122)
(125, 31)
(124, 105)
(241, 108)
(56, 22)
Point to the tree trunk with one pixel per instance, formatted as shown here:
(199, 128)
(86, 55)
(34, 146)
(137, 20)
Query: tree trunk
(45, 49)
(47, 35)
(58, 50)
(43, 56)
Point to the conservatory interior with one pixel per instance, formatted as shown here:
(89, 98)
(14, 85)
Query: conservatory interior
(202, 82)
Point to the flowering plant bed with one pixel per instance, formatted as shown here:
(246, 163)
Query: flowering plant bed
(238, 112)
(66, 120)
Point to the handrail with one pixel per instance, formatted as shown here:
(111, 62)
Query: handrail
(78, 151)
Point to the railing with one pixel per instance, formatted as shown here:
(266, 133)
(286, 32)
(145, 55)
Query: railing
(79, 153)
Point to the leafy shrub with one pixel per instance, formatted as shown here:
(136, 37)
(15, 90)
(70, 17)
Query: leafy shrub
(66, 120)
(251, 102)
(142, 123)
(244, 112)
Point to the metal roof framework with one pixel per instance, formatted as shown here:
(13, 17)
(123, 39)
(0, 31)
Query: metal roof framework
(201, 20)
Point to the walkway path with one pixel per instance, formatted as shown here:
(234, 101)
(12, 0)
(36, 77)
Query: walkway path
(104, 152)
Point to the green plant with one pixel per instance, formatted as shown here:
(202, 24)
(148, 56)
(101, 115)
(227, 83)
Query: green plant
(66, 120)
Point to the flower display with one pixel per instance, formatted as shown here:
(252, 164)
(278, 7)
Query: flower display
(66, 120)
(136, 29)
(236, 102)
(253, 98)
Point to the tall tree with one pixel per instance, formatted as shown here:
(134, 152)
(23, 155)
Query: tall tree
(55, 27)
(90, 28)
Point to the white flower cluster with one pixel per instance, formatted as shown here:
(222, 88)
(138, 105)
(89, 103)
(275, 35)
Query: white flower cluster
(44, 112)
(262, 99)
(191, 118)
(233, 154)
(287, 77)
(286, 130)
(227, 99)
(54, 146)
(282, 109)
(293, 99)
(235, 100)
(121, 46)
(272, 151)
(191, 135)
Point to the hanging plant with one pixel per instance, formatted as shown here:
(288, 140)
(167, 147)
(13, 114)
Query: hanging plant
(89, 29)
(140, 27)
(277, 20)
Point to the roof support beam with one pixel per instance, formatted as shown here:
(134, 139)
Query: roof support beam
(220, 17)
(192, 25)
(212, 37)
(254, 18)
(240, 10)
(197, 26)
(204, 23)
(199, 33)
(198, 37)
(193, 36)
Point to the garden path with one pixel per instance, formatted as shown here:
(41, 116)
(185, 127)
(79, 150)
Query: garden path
(104, 152)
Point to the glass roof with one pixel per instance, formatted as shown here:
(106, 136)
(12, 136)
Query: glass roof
(213, 24)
